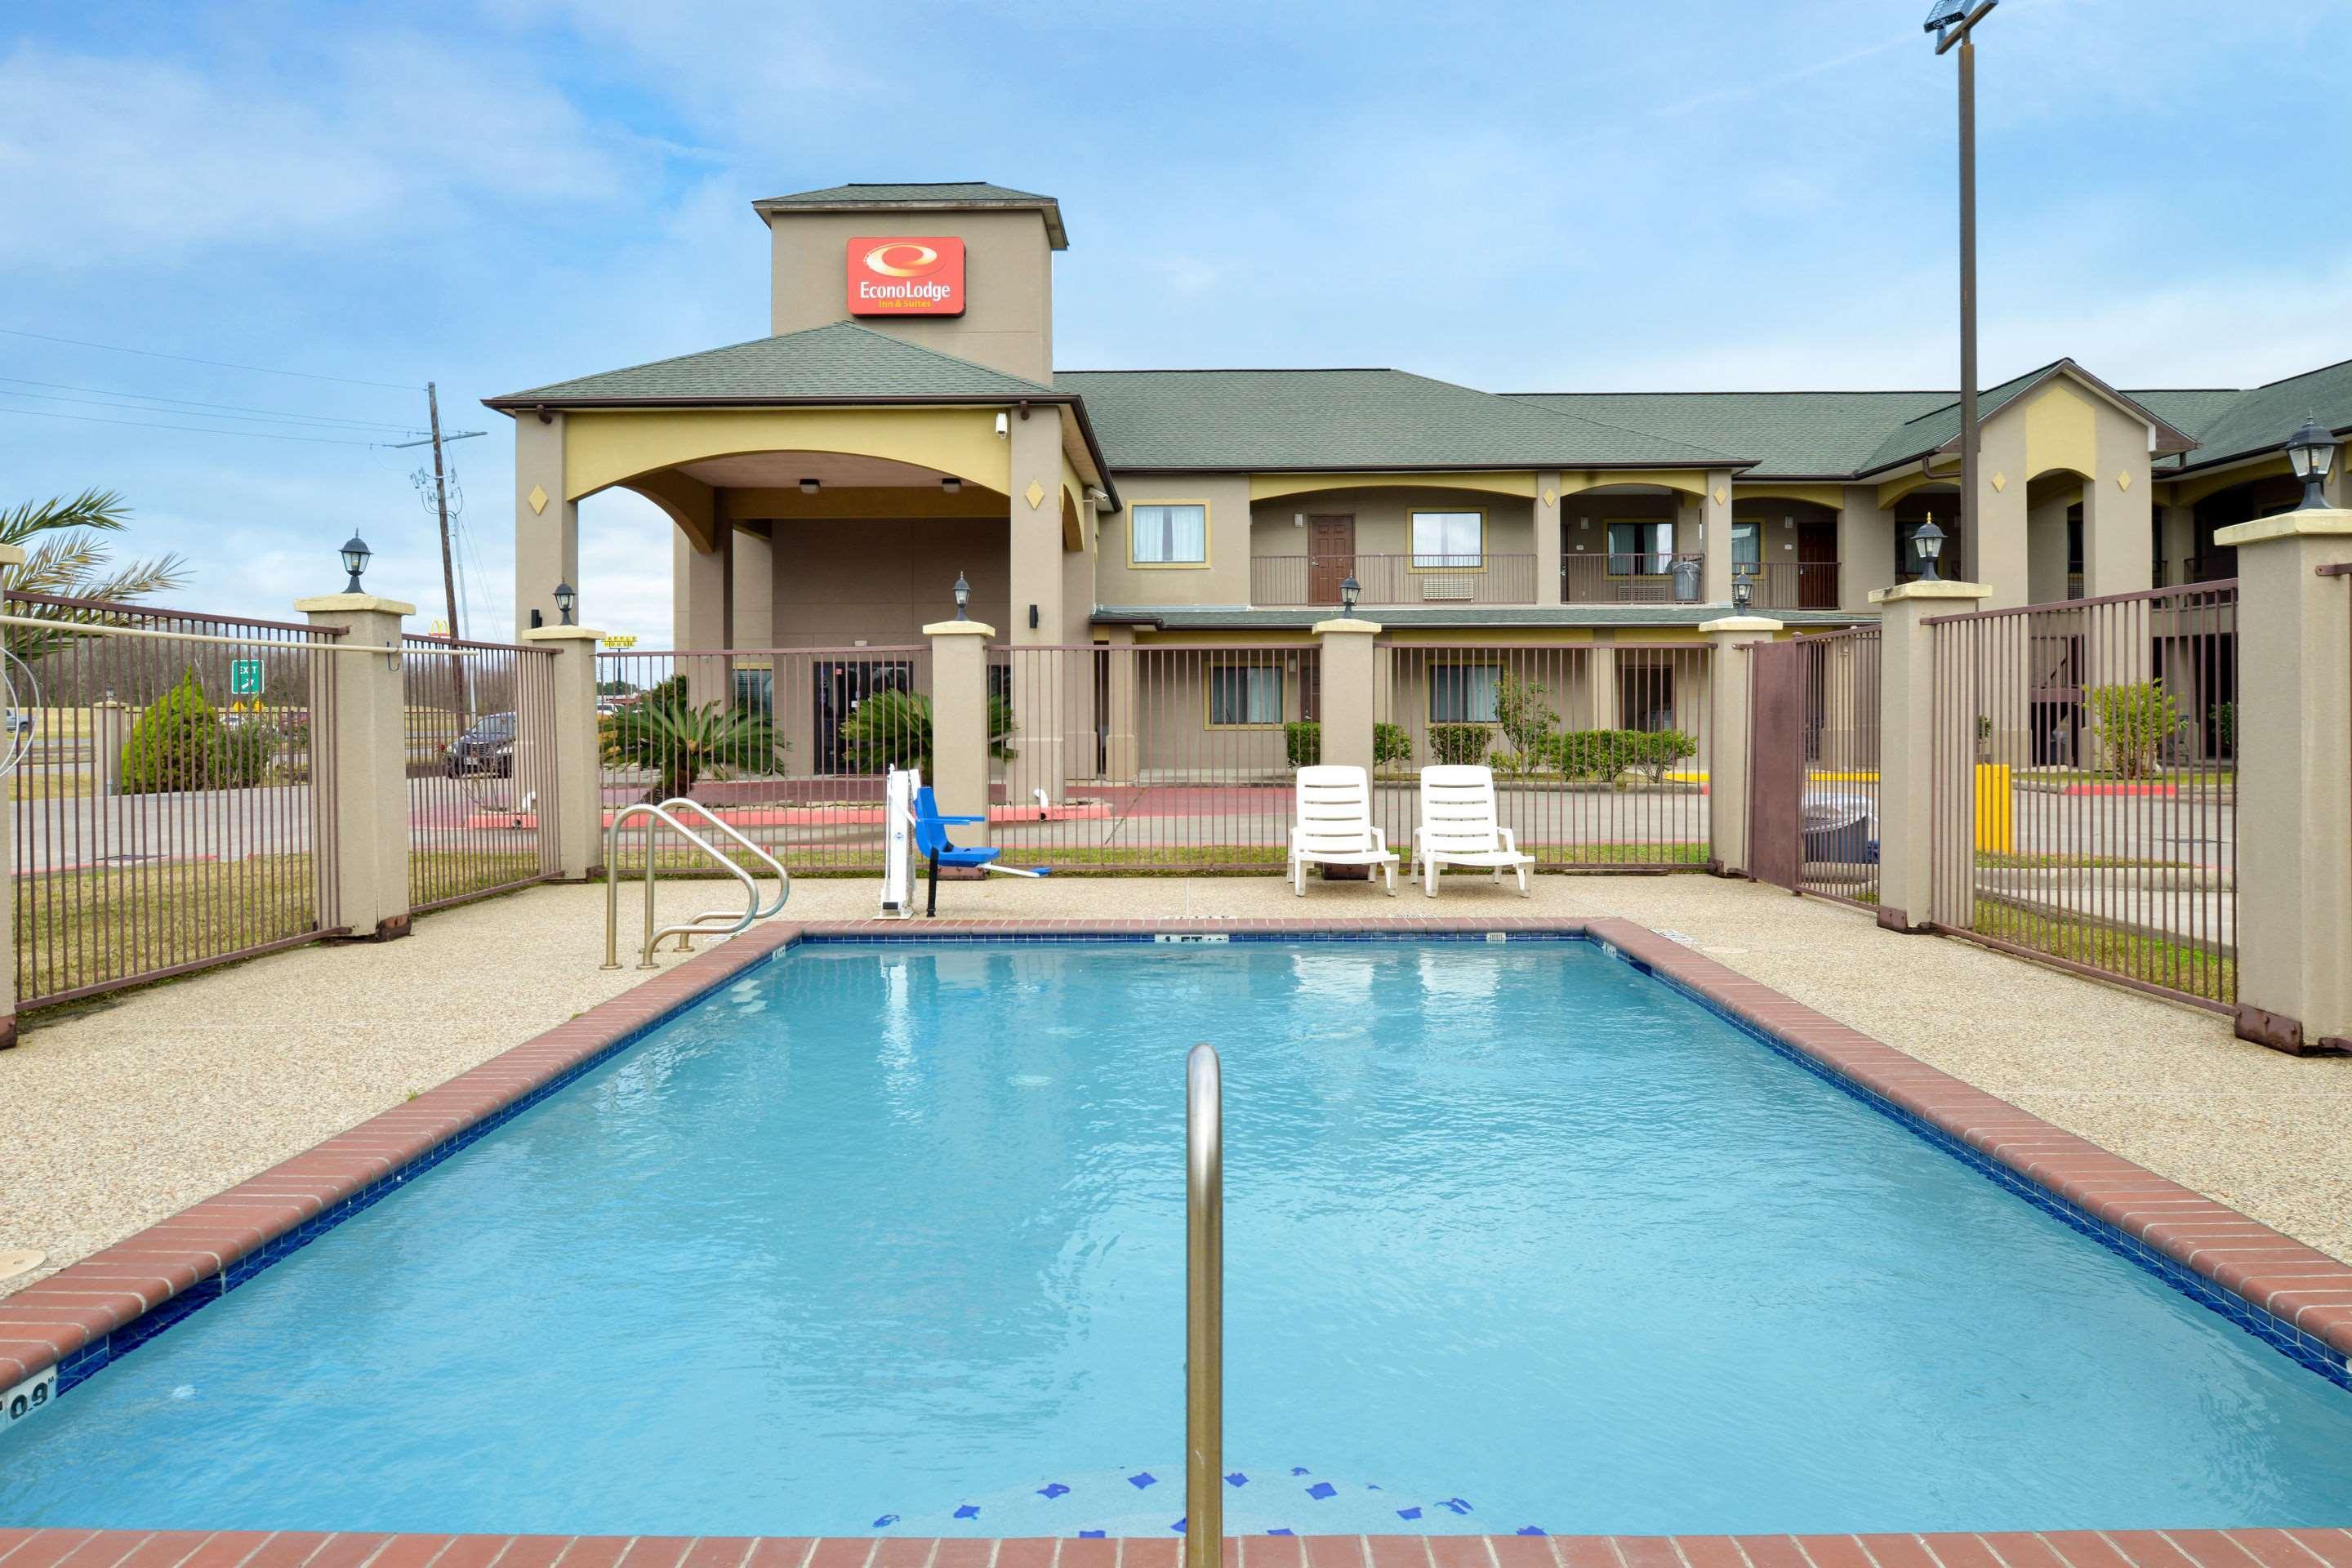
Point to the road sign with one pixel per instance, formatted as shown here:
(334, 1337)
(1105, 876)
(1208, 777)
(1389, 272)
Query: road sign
(244, 677)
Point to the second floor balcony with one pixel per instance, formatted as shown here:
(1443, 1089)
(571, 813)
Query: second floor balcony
(1312, 581)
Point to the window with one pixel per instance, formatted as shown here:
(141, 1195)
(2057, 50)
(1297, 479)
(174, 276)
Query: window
(1464, 693)
(1639, 548)
(1245, 694)
(1170, 534)
(1449, 539)
(1747, 549)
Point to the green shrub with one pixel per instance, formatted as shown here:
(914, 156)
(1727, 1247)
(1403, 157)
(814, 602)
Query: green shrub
(893, 729)
(1655, 751)
(1522, 715)
(1601, 755)
(2225, 730)
(1458, 743)
(1391, 743)
(172, 746)
(1302, 740)
(242, 754)
(680, 744)
(2133, 720)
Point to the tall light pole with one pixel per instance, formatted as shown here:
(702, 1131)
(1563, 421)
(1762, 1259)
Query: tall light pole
(1954, 24)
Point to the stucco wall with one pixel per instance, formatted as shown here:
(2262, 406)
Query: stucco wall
(1008, 320)
(882, 581)
(1225, 580)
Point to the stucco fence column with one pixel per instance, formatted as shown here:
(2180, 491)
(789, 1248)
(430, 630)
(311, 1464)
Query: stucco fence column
(358, 843)
(1350, 698)
(1908, 898)
(575, 851)
(2294, 736)
(1727, 769)
(958, 773)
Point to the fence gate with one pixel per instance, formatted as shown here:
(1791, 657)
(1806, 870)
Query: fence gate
(1776, 762)
(480, 768)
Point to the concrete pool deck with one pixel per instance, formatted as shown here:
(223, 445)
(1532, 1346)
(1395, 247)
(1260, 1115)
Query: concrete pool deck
(130, 1109)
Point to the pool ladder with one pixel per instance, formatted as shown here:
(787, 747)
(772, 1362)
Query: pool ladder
(666, 815)
(1204, 1309)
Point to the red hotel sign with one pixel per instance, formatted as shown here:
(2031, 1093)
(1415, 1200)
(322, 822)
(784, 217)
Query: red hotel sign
(918, 275)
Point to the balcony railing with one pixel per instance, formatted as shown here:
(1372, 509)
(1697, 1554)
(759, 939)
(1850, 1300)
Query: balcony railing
(1287, 581)
(1790, 585)
(2211, 568)
(1655, 578)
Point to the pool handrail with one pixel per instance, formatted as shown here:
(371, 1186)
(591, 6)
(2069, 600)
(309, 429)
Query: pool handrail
(783, 881)
(1204, 1309)
(661, 815)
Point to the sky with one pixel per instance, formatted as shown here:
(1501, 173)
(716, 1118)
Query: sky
(352, 200)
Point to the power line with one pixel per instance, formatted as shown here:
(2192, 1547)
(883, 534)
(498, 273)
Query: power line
(215, 363)
(353, 425)
(194, 403)
(193, 430)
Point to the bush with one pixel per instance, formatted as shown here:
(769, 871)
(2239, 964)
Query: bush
(173, 745)
(1391, 743)
(1601, 755)
(2132, 722)
(680, 744)
(2225, 730)
(1458, 743)
(1522, 715)
(893, 729)
(1656, 751)
(1302, 740)
(242, 754)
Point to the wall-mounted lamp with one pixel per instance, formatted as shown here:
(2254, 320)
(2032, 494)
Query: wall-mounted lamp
(810, 487)
(1033, 617)
(1298, 519)
(962, 597)
(952, 485)
(1003, 425)
(567, 597)
(355, 554)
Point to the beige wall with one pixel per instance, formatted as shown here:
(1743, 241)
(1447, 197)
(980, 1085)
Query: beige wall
(1008, 320)
(835, 583)
(1223, 581)
(1381, 519)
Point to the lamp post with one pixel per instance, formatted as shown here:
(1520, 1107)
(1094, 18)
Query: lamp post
(355, 554)
(1930, 543)
(1348, 590)
(1743, 591)
(2311, 453)
(1954, 23)
(567, 598)
(962, 598)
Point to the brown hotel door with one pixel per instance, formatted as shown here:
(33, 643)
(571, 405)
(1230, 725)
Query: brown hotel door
(1817, 575)
(1330, 557)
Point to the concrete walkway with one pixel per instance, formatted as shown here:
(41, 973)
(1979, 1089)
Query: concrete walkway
(123, 1111)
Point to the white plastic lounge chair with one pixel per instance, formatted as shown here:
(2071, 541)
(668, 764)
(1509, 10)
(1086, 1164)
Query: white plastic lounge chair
(1458, 827)
(1335, 826)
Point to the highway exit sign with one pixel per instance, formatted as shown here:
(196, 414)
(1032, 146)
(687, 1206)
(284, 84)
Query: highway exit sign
(244, 677)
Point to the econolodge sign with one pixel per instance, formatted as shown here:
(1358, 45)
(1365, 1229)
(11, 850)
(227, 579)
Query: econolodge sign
(921, 275)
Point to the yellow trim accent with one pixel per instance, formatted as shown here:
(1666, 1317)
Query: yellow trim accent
(2197, 486)
(1281, 673)
(1266, 487)
(1411, 555)
(605, 448)
(1894, 491)
(1664, 479)
(2062, 431)
(538, 499)
(1206, 548)
(1830, 496)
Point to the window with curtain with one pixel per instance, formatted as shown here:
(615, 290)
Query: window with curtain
(1170, 535)
(1449, 538)
(1747, 546)
(1245, 694)
(1635, 548)
(1464, 693)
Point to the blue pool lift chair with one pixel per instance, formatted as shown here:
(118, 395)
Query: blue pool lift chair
(932, 842)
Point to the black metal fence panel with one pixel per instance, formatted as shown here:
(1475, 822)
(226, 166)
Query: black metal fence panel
(480, 768)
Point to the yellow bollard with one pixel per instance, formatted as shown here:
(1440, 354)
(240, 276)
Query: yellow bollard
(1996, 812)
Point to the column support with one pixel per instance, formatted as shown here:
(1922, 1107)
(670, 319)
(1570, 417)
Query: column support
(2294, 734)
(1714, 532)
(1547, 540)
(1906, 698)
(959, 773)
(577, 853)
(365, 881)
(1726, 766)
(1351, 674)
(547, 523)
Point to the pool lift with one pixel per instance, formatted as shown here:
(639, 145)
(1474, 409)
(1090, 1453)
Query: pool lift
(912, 814)
(666, 813)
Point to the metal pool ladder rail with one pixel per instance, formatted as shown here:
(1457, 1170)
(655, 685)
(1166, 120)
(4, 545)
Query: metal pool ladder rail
(666, 815)
(1204, 1309)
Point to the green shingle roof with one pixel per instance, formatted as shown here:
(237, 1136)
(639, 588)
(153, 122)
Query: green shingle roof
(1346, 419)
(950, 193)
(2263, 418)
(843, 362)
(1787, 432)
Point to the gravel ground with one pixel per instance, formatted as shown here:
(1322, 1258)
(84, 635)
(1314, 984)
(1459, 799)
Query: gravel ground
(124, 1111)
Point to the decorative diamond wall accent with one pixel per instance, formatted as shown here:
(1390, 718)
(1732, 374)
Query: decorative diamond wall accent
(1036, 494)
(538, 499)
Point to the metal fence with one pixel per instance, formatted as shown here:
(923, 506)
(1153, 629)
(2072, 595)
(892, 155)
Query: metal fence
(480, 768)
(1601, 752)
(791, 744)
(1837, 846)
(175, 809)
(2085, 785)
(1128, 759)
(1394, 579)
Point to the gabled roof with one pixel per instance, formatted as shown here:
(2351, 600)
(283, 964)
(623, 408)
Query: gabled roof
(843, 362)
(952, 196)
(1351, 420)
(2261, 420)
(1792, 434)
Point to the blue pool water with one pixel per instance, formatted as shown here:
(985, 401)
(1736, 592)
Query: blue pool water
(892, 1238)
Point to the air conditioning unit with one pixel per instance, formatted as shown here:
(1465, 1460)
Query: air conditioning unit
(1452, 590)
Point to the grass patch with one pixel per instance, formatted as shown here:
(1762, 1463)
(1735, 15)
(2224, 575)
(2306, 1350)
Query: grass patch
(441, 874)
(2159, 961)
(1997, 860)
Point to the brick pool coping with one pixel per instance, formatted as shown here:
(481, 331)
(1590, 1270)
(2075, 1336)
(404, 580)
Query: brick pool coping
(111, 1300)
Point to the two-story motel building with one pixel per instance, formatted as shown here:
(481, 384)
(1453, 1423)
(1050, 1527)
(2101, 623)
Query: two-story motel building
(906, 424)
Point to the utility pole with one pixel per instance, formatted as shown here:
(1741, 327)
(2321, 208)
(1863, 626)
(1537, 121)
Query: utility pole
(441, 498)
(1954, 22)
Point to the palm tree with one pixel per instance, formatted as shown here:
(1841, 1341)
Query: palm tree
(66, 558)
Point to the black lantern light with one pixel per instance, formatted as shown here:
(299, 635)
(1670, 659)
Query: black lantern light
(1348, 590)
(356, 558)
(567, 599)
(1930, 543)
(1743, 590)
(2311, 453)
(962, 598)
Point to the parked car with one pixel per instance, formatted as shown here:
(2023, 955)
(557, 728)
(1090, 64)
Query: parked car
(487, 748)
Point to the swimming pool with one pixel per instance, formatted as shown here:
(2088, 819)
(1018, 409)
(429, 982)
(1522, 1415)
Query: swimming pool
(890, 1238)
